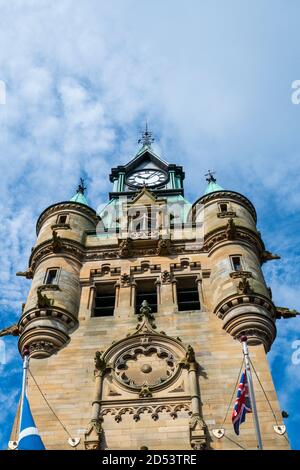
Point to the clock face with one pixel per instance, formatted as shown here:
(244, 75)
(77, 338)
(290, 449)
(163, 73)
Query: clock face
(148, 178)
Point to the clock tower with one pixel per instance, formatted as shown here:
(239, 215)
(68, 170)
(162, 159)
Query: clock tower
(134, 316)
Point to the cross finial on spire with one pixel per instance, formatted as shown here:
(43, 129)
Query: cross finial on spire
(81, 188)
(210, 177)
(146, 138)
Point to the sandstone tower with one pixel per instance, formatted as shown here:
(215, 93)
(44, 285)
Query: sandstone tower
(134, 315)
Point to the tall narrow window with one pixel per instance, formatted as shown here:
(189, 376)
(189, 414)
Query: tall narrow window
(51, 276)
(187, 294)
(236, 263)
(146, 290)
(104, 301)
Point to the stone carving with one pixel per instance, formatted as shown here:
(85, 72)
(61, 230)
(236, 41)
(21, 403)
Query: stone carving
(125, 248)
(189, 357)
(145, 392)
(100, 364)
(126, 280)
(166, 277)
(163, 247)
(10, 330)
(244, 286)
(145, 365)
(93, 436)
(145, 313)
(56, 242)
(230, 229)
(42, 346)
(154, 410)
(268, 256)
(42, 300)
(241, 274)
(223, 215)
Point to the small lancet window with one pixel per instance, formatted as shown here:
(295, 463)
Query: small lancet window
(236, 263)
(62, 219)
(51, 276)
(223, 207)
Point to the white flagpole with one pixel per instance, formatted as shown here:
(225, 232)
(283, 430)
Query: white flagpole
(251, 391)
(24, 383)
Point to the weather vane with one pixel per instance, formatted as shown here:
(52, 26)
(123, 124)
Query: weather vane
(81, 188)
(146, 138)
(210, 176)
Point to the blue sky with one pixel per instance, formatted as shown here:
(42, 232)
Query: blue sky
(214, 81)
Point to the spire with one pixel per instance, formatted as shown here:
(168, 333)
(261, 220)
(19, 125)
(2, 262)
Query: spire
(146, 138)
(212, 183)
(79, 196)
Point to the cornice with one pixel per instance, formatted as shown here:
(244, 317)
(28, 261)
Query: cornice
(68, 205)
(227, 195)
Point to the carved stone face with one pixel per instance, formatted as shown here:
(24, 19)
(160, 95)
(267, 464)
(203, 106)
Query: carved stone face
(145, 365)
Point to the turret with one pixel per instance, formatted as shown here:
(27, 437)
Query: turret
(50, 313)
(239, 295)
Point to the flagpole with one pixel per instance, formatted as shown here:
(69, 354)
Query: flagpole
(24, 383)
(251, 391)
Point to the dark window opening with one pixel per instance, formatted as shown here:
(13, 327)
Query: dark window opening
(104, 301)
(223, 207)
(62, 219)
(51, 276)
(236, 263)
(187, 294)
(146, 290)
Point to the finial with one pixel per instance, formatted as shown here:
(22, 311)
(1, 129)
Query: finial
(210, 177)
(146, 138)
(81, 188)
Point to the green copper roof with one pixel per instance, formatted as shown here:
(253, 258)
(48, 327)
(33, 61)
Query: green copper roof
(212, 187)
(79, 197)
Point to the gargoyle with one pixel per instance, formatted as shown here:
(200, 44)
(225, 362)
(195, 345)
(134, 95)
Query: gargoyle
(268, 256)
(28, 274)
(10, 330)
(284, 312)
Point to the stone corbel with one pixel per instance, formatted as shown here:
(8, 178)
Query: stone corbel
(198, 433)
(93, 436)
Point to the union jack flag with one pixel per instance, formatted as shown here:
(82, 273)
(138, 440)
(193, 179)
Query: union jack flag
(242, 404)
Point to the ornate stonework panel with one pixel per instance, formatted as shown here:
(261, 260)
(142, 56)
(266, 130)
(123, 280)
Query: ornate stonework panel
(145, 365)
